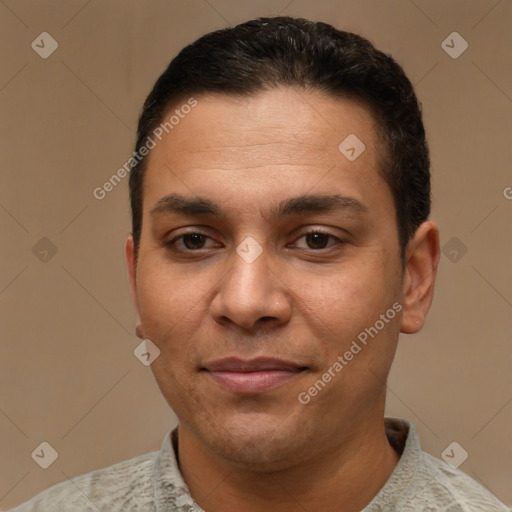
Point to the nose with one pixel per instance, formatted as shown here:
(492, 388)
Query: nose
(251, 294)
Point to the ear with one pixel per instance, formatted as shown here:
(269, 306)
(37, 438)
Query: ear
(131, 265)
(422, 258)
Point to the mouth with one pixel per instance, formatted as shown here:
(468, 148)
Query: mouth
(253, 376)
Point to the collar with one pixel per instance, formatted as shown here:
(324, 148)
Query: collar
(171, 492)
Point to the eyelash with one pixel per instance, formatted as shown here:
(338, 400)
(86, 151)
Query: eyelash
(172, 244)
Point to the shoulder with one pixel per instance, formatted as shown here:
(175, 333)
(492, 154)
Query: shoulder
(444, 485)
(422, 482)
(123, 486)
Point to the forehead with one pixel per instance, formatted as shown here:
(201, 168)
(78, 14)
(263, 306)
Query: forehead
(267, 144)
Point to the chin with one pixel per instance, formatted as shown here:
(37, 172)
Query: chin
(256, 443)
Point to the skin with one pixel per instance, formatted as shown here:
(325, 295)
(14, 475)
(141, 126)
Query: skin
(302, 300)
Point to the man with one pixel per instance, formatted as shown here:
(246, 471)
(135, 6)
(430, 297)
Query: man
(280, 195)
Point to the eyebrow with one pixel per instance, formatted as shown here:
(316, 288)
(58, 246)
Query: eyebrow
(306, 203)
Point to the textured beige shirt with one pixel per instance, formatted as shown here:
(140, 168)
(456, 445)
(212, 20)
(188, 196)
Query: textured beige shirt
(153, 482)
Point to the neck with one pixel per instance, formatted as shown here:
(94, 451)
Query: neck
(346, 475)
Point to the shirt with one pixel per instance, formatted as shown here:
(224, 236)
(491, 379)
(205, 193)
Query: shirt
(153, 482)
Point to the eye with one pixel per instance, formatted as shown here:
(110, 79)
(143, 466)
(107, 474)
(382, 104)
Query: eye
(318, 240)
(188, 242)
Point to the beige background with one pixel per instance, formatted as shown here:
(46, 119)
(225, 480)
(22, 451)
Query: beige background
(68, 375)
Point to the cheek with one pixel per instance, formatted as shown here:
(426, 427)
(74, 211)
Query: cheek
(356, 292)
(164, 298)
(337, 307)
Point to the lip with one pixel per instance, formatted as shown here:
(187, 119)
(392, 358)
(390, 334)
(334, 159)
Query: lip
(253, 376)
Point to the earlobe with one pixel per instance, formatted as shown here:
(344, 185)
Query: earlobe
(139, 332)
(131, 267)
(422, 259)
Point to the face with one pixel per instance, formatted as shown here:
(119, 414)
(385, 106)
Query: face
(265, 252)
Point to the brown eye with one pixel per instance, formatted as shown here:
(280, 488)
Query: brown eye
(192, 244)
(194, 240)
(317, 240)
